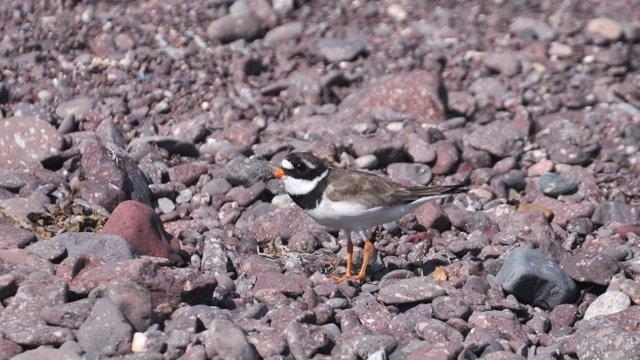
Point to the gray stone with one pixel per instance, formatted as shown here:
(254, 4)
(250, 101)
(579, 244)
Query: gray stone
(78, 107)
(47, 353)
(364, 346)
(284, 32)
(106, 331)
(228, 341)
(554, 185)
(610, 302)
(246, 25)
(133, 300)
(21, 320)
(535, 279)
(336, 50)
(217, 186)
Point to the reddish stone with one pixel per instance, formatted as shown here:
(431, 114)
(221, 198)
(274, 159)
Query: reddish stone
(25, 141)
(142, 228)
(414, 94)
(187, 174)
(624, 230)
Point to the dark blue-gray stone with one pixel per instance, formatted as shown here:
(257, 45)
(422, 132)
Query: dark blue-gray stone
(535, 279)
(554, 185)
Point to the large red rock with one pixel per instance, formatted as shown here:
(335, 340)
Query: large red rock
(414, 94)
(139, 225)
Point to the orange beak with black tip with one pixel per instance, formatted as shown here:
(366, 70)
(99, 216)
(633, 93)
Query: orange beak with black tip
(278, 173)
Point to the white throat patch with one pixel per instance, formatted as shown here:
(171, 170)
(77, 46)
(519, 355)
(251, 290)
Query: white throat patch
(295, 186)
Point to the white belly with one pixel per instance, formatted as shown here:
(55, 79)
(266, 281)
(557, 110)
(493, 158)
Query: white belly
(354, 217)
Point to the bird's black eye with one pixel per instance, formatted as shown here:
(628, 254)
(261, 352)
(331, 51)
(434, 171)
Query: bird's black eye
(300, 166)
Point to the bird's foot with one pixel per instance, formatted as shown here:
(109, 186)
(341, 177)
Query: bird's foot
(341, 278)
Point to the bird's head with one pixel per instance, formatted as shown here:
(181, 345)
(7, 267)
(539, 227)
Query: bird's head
(300, 172)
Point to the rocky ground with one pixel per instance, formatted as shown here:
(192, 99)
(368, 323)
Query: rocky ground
(138, 219)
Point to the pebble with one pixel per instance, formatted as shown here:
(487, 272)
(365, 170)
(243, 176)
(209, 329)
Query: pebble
(610, 302)
(555, 185)
(246, 25)
(607, 28)
(336, 50)
(523, 267)
(417, 289)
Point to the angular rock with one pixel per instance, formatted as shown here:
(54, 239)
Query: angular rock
(12, 237)
(499, 138)
(70, 315)
(133, 300)
(505, 322)
(139, 225)
(21, 321)
(109, 248)
(48, 353)
(106, 331)
(305, 340)
(228, 341)
(609, 342)
(364, 346)
(9, 349)
(535, 279)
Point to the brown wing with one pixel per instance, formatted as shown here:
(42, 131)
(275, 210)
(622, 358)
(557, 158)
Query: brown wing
(374, 190)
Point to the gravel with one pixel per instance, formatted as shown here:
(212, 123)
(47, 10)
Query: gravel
(139, 219)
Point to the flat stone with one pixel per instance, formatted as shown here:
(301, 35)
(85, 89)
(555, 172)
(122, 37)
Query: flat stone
(591, 267)
(26, 141)
(109, 248)
(336, 50)
(417, 289)
(535, 279)
(78, 107)
(414, 94)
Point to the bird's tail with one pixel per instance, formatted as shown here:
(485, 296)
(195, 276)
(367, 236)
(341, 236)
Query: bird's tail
(420, 191)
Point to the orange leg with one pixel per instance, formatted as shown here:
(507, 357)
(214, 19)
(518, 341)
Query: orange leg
(368, 250)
